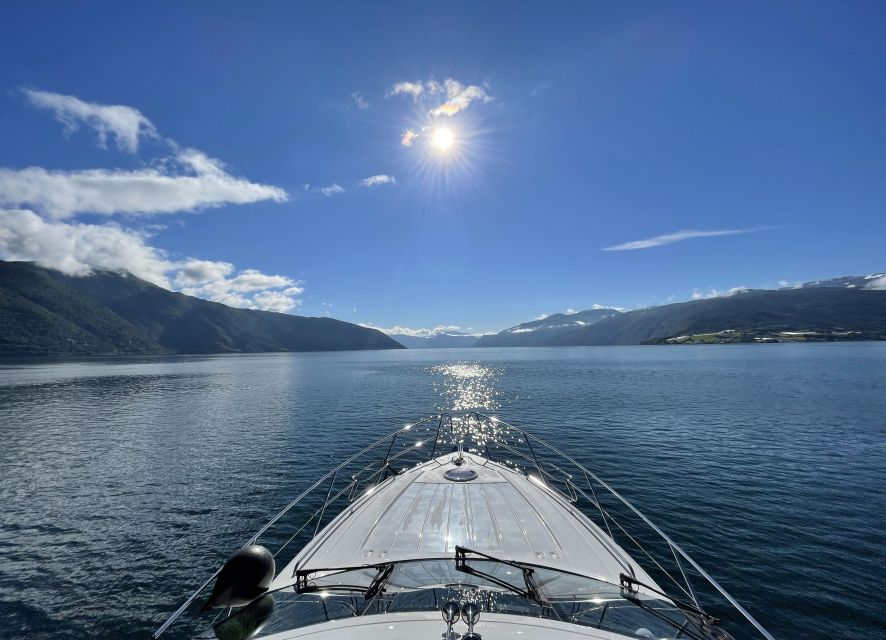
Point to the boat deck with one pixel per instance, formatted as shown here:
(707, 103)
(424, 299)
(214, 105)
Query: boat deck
(419, 513)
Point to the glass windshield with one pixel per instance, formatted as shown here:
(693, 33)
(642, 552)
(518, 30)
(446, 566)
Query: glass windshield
(424, 585)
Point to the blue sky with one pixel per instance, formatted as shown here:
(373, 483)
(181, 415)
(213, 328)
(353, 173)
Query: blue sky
(581, 130)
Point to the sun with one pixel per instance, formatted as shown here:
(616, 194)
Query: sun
(445, 153)
(442, 139)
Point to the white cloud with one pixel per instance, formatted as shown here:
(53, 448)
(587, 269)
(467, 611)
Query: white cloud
(80, 249)
(278, 297)
(254, 280)
(456, 96)
(186, 181)
(199, 182)
(460, 98)
(421, 333)
(541, 316)
(249, 289)
(332, 189)
(698, 294)
(193, 272)
(415, 89)
(372, 181)
(125, 124)
(877, 282)
(570, 312)
(679, 236)
(279, 301)
(359, 101)
(408, 136)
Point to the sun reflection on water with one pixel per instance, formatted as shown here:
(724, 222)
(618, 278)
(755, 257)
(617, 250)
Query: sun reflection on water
(466, 386)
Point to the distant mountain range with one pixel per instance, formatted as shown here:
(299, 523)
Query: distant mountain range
(542, 332)
(846, 282)
(44, 312)
(438, 341)
(843, 308)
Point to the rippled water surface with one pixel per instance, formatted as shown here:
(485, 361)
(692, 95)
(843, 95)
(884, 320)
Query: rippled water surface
(124, 483)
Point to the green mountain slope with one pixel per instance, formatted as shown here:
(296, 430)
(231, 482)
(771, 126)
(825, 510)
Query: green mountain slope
(43, 312)
(40, 315)
(820, 310)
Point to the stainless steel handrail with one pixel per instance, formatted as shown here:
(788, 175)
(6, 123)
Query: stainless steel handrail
(675, 548)
(334, 472)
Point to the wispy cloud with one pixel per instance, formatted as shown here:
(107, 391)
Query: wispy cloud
(450, 96)
(408, 137)
(373, 181)
(359, 101)
(459, 97)
(125, 124)
(679, 236)
(332, 189)
(189, 181)
(415, 89)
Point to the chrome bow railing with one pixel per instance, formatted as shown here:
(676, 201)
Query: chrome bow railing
(679, 575)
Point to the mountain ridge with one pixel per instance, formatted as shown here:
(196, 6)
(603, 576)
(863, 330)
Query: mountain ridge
(45, 312)
(843, 308)
(539, 331)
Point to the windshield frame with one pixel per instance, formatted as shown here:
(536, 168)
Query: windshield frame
(302, 576)
(692, 625)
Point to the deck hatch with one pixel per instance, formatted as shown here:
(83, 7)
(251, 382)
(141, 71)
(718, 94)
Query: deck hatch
(460, 475)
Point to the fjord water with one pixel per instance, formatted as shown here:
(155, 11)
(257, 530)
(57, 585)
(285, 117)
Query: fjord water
(124, 483)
